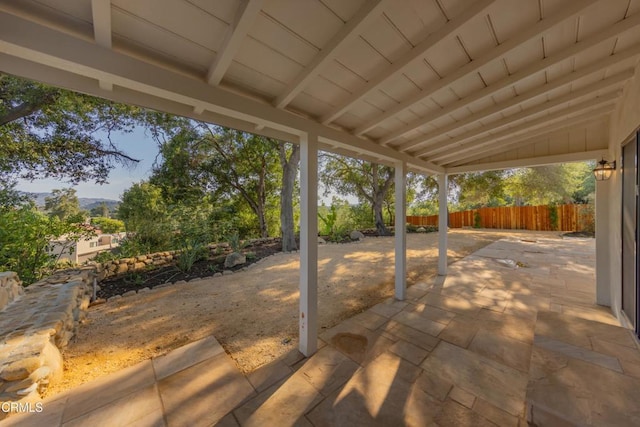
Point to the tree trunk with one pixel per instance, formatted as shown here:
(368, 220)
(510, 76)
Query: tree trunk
(289, 172)
(377, 214)
(379, 194)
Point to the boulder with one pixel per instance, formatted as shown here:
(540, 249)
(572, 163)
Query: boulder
(234, 259)
(421, 230)
(356, 235)
(321, 241)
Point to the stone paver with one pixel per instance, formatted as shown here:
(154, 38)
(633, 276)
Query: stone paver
(490, 344)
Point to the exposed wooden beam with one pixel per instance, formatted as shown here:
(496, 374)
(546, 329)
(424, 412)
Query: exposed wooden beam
(81, 60)
(371, 11)
(597, 67)
(416, 54)
(237, 31)
(569, 10)
(101, 14)
(592, 90)
(531, 162)
(586, 44)
(504, 143)
(525, 128)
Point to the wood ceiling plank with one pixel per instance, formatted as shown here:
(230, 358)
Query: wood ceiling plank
(416, 54)
(508, 46)
(349, 32)
(534, 68)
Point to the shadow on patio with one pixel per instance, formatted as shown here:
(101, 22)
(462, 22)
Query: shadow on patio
(511, 335)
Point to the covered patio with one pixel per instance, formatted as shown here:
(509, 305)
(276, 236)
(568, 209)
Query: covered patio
(436, 87)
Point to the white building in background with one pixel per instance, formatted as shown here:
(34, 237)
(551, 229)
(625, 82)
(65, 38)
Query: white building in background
(85, 249)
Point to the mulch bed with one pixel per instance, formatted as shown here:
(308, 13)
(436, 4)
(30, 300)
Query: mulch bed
(171, 274)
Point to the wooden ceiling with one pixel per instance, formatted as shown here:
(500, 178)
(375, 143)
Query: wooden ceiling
(443, 85)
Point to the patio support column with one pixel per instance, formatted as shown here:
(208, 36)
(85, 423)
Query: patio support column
(443, 222)
(603, 247)
(401, 230)
(308, 320)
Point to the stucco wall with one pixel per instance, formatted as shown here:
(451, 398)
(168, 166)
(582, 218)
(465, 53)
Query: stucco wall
(625, 120)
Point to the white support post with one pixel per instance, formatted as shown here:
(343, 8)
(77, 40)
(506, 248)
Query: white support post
(443, 220)
(401, 230)
(603, 247)
(308, 326)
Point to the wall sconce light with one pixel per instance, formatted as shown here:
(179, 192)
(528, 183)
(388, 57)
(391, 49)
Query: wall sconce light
(604, 170)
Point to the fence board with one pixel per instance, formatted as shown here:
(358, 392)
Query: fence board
(570, 218)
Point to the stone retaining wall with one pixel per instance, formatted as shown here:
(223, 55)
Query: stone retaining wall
(123, 266)
(10, 288)
(33, 329)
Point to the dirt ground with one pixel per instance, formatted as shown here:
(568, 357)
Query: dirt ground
(253, 314)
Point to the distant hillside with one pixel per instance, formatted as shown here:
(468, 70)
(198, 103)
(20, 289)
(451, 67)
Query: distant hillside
(87, 203)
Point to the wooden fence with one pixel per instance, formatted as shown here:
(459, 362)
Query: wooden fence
(570, 218)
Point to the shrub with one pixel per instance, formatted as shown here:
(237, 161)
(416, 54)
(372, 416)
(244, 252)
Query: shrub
(553, 217)
(25, 241)
(234, 240)
(189, 255)
(477, 220)
(412, 228)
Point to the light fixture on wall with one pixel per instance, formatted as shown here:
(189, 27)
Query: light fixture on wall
(604, 170)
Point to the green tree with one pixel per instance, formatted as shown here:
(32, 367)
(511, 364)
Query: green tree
(108, 225)
(239, 164)
(26, 237)
(368, 181)
(55, 133)
(146, 220)
(64, 205)
(546, 184)
(179, 175)
(102, 210)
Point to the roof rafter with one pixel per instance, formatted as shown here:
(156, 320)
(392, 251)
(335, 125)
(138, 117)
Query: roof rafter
(592, 89)
(569, 10)
(599, 66)
(552, 124)
(101, 15)
(237, 31)
(415, 54)
(371, 10)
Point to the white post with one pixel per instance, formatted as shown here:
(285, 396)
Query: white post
(308, 326)
(443, 217)
(603, 247)
(401, 230)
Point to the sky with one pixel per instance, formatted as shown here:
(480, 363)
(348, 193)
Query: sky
(136, 144)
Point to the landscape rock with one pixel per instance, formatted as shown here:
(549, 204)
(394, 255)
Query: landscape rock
(35, 327)
(234, 259)
(421, 230)
(356, 235)
(321, 241)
